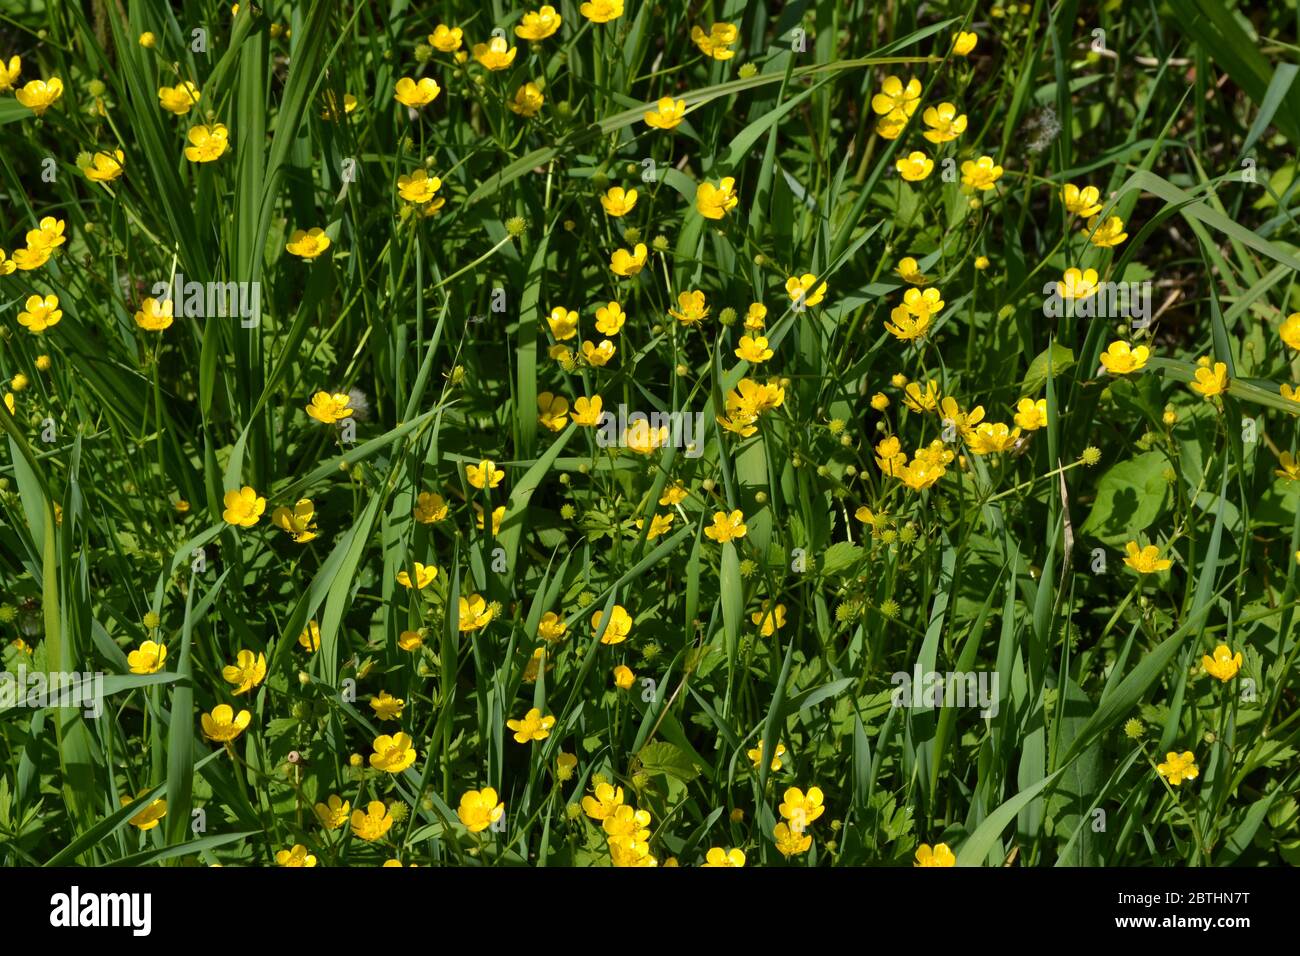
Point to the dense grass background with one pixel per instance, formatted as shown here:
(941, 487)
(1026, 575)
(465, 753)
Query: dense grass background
(994, 568)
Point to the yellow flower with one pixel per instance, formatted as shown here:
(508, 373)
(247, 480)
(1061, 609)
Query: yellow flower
(539, 25)
(1081, 202)
(331, 110)
(307, 244)
(296, 857)
(1178, 768)
(628, 852)
(243, 507)
(333, 813)
(627, 264)
(771, 621)
(667, 114)
(373, 823)
(717, 856)
(1146, 560)
(474, 613)
(618, 201)
(9, 403)
(528, 100)
(104, 167)
(40, 313)
(9, 73)
(907, 326)
(753, 350)
(410, 641)
(393, 754)
(801, 291)
(788, 842)
(1121, 359)
(659, 526)
(1290, 329)
(223, 724)
(626, 822)
(479, 809)
(565, 764)
(497, 514)
(310, 637)
(620, 625)
(601, 11)
(27, 259)
(206, 143)
(485, 474)
(154, 316)
(563, 323)
(1290, 469)
(424, 575)
(944, 122)
(247, 672)
(623, 677)
(446, 39)
(47, 236)
(801, 809)
(981, 174)
(386, 706)
(496, 54)
(179, 98)
(756, 317)
(894, 97)
(554, 411)
(1076, 284)
(691, 308)
(39, 95)
(992, 437)
(532, 726)
(921, 401)
(147, 659)
(909, 271)
(1210, 381)
(7, 266)
(430, 507)
(420, 188)
(330, 407)
(891, 125)
(587, 411)
(717, 41)
(551, 627)
(1223, 665)
(714, 202)
(1031, 415)
(610, 319)
(963, 42)
(1107, 234)
(147, 818)
(607, 799)
(598, 355)
(726, 527)
(756, 756)
(674, 494)
(939, 856)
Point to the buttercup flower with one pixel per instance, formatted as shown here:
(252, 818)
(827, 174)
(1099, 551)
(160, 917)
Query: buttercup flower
(532, 726)
(601, 11)
(420, 188)
(895, 97)
(944, 121)
(223, 724)
(373, 823)
(755, 756)
(40, 313)
(620, 625)
(1031, 415)
(307, 244)
(386, 706)
(485, 474)
(1076, 284)
(726, 527)
(248, 671)
(446, 39)
(330, 407)
(691, 308)
(551, 627)
(104, 167)
(297, 856)
(9, 73)
(528, 100)
(717, 42)
(538, 25)
(475, 613)
(1223, 665)
(1178, 767)
(962, 43)
(393, 754)
(623, 677)
(789, 842)
(753, 350)
(668, 113)
(587, 411)
(333, 813)
(910, 272)
(981, 174)
(610, 319)
(148, 658)
(40, 95)
(801, 809)
(617, 201)
(627, 264)
(424, 576)
(1107, 234)
(479, 809)
(496, 54)
(1081, 202)
(430, 508)
(553, 411)
(1210, 380)
(180, 98)
(309, 639)
(770, 621)
(940, 855)
(717, 856)
(207, 143)
(802, 292)
(598, 355)
(1145, 560)
(243, 508)
(1121, 359)
(153, 812)
(154, 316)
(714, 202)
(1290, 330)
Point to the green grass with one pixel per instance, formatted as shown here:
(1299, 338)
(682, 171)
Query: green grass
(123, 442)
